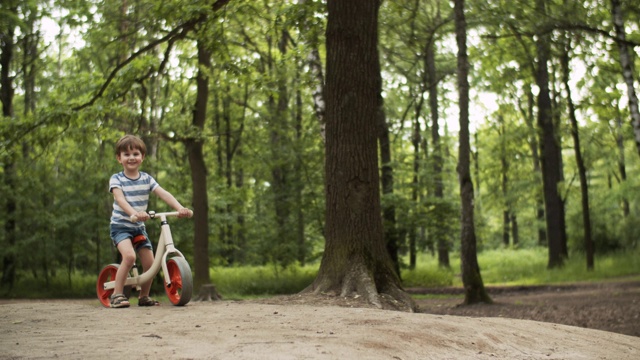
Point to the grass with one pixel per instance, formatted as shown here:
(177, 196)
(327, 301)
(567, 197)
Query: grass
(498, 267)
(525, 267)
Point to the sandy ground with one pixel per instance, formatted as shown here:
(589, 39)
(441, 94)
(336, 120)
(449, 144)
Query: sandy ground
(82, 329)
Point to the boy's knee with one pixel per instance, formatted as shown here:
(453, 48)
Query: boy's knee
(128, 259)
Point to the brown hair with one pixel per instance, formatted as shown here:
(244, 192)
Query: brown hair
(130, 142)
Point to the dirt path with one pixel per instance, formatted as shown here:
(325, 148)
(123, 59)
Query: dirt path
(610, 306)
(296, 328)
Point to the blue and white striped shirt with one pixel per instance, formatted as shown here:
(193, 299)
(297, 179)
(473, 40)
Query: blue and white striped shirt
(136, 192)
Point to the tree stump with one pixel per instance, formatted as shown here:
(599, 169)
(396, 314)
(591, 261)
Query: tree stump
(208, 292)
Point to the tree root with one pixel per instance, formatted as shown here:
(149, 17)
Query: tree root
(208, 292)
(359, 282)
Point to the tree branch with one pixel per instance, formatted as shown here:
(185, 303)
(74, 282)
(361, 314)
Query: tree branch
(178, 33)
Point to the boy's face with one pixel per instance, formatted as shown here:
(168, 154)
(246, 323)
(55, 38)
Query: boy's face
(130, 159)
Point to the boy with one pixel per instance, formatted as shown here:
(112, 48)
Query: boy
(130, 189)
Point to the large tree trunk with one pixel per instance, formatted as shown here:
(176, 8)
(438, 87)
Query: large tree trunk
(199, 174)
(550, 153)
(627, 68)
(474, 291)
(355, 259)
(582, 171)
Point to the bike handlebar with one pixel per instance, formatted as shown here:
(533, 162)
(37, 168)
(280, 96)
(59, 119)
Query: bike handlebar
(153, 215)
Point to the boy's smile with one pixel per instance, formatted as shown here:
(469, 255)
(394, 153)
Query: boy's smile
(130, 160)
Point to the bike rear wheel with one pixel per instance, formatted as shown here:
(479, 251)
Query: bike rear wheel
(107, 274)
(181, 287)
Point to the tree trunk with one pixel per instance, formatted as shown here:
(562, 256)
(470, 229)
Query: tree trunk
(474, 291)
(6, 97)
(627, 68)
(533, 145)
(550, 152)
(582, 171)
(315, 67)
(389, 209)
(506, 211)
(299, 185)
(436, 155)
(416, 138)
(355, 259)
(199, 173)
(622, 167)
(281, 171)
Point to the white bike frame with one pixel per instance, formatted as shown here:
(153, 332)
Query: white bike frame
(165, 244)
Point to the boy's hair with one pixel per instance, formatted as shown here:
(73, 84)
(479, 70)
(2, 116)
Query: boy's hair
(130, 142)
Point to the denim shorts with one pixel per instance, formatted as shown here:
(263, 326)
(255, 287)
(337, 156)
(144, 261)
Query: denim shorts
(120, 233)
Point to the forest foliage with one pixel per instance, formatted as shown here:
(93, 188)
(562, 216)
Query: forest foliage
(77, 75)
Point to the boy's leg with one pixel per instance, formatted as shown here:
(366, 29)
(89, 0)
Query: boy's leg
(128, 259)
(146, 258)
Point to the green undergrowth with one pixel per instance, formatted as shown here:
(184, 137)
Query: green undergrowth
(503, 267)
(507, 267)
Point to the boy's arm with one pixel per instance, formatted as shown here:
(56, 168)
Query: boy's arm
(122, 202)
(172, 201)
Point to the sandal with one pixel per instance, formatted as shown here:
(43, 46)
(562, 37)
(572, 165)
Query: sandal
(119, 301)
(147, 301)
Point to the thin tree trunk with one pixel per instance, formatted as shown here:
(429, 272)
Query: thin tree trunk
(506, 216)
(299, 185)
(582, 171)
(415, 140)
(528, 116)
(471, 278)
(315, 67)
(627, 68)
(281, 170)
(436, 155)
(388, 208)
(621, 162)
(199, 174)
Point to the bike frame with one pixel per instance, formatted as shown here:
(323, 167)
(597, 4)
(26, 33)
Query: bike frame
(165, 247)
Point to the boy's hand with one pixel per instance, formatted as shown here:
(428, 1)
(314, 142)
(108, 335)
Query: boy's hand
(140, 216)
(184, 212)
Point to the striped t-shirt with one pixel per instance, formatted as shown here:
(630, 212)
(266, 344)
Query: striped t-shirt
(136, 192)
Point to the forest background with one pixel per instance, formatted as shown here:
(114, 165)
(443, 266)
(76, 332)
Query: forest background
(78, 75)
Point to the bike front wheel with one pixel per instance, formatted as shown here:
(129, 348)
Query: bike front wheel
(181, 287)
(107, 274)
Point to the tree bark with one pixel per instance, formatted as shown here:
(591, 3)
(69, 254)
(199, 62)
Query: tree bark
(6, 97)
(627, 68)
(528, 116)
(550, 152)
(474, 291)
(199, 173)
(388, 209)
(622, 167)
(416, 138)
(355, 259)
(436, 155)
(582, 171)
(315, 67)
